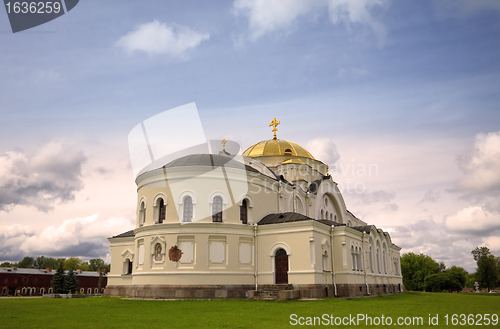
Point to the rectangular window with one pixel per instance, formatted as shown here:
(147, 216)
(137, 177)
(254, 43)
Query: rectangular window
(140, 252)
(217, 250)
(245, 251)
(187, 246)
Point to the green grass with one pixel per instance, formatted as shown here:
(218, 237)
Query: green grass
(108, 312)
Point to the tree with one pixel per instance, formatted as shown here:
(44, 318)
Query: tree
(45, 262)
(6, 264)
(57, 282)
(72, 263)
(440, 282)
(85, 266)
(452, 279)
(415, 268)
(487, 268)
(27, 262)
(70, 282)
(96, 263)
(459, 273)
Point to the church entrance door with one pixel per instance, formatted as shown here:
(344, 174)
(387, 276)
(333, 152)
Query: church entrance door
(281, 267)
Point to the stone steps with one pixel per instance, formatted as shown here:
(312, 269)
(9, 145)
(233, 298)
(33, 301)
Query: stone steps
(272, 291)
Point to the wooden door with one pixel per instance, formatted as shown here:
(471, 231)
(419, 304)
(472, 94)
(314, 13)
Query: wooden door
(281, 267)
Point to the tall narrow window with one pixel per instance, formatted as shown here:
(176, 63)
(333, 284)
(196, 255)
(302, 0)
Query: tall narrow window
(321, 214)
(244, 212)
(142, 214)
(128, 265)
(383, 259)
(378, 261)
(217, 209)
(353, 256)
(188, 209)
(161, 211)
(360, 263)
(371, 259)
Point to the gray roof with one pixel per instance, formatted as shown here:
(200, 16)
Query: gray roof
(128, 234)
(289, 217)
(366, 228)
(314, 186)
(208, 160)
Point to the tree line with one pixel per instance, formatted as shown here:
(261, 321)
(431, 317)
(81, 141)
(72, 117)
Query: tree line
(422, 273)
(68, 264)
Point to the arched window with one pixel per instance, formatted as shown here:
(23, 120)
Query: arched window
(42, 291)
(371, 259)
(96, 291)
(360, 263)
(244, 212)
(89, 291)
(383, 260)
(127, 267)
(349, 223)
(50, 290)
(217, 209)
(325, 261)
(142, 214)
(378, 261)
(331, 217)
(102, 290)
(335, 217)
(321, 214)
(188, 209)
(4, 291)
(326, 215)
(82, 290)
(162, 209)
(353, 255)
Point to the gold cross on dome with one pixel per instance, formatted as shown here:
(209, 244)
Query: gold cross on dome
(274, 124)
(223, 144)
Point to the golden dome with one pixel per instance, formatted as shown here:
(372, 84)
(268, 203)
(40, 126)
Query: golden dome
(276, 147)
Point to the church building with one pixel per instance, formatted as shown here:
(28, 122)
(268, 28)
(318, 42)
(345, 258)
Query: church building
(230, 226)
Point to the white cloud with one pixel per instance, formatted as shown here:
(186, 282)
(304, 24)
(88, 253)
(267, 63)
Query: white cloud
(79, 237)
(324, 150)
(53, 174)
(157, 38)
(358, 12)
(368, 197)
(480, 166)
(267, 16)
(473, 220)
(493, 242)
(280, 15)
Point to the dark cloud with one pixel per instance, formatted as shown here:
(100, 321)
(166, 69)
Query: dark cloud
(102, 170)
(430, 196)
(392, 207)
(433, 239)
(51, 175)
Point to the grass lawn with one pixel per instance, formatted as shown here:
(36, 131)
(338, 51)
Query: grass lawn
(109, 312)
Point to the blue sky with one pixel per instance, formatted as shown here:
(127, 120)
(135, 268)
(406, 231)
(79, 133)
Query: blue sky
(411, 86)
